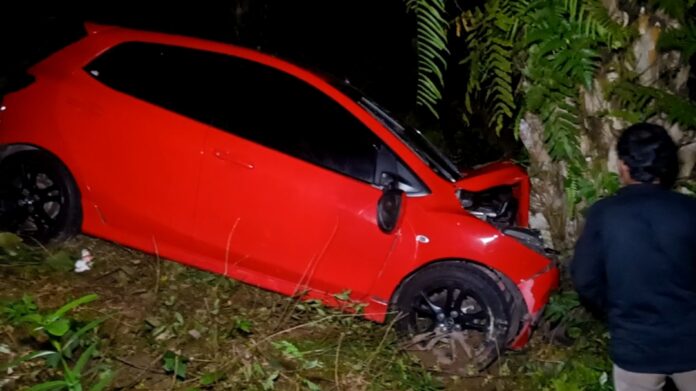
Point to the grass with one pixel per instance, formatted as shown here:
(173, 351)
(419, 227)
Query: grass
(169, 327)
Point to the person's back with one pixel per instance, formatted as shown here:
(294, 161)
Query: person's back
(636, 263)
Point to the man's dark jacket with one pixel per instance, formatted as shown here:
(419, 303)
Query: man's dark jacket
(635, 262)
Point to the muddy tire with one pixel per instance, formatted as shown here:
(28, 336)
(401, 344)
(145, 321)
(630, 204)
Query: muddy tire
(455, 316)
(38, 198)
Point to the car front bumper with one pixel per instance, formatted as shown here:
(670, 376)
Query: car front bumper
(535, 291)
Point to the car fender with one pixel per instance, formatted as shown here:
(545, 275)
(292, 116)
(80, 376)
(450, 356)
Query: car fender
(456, 236)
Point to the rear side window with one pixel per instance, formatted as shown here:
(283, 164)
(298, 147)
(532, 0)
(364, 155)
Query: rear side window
(245, 98)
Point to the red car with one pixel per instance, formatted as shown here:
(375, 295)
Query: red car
(237, 162)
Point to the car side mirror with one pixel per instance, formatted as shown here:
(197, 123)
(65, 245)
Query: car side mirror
(390, 206)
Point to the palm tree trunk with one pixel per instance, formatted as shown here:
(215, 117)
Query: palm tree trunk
(550, 211)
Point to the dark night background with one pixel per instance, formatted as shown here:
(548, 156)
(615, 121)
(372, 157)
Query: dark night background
(369, 42)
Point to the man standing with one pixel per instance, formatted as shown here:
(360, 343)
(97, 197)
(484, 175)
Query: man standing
(635, 263)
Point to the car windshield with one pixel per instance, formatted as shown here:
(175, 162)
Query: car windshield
(418, 143)
(412, 137)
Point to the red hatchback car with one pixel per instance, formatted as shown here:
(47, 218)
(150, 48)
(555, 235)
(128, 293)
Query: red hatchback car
(233, 161)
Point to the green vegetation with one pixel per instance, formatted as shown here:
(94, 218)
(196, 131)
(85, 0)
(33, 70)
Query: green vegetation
(191, 330)
(574, 65)
(66, 336)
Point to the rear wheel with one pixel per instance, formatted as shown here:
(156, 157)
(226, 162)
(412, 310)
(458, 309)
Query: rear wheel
(38, 197)
(455, 316)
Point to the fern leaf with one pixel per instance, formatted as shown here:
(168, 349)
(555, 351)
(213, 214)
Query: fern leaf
(601, 26)
(431, 48)
(682, 39)
(651, 101)
(491, 50)
(677, 9)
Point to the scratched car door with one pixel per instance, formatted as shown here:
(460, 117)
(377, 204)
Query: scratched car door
(135, 117)
(286, 180)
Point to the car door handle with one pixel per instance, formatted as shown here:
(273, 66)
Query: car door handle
(226, 156)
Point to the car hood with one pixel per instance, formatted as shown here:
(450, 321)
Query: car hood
(491, 175)
(496, 175)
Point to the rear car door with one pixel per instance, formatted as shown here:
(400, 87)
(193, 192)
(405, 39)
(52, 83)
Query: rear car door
(139, 108)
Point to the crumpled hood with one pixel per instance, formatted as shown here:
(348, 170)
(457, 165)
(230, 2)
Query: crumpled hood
(501, 173)
(491, 175)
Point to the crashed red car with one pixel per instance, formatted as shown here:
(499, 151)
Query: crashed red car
(237, 162)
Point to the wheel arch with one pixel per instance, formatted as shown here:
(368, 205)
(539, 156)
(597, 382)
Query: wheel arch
(8, 150)
(498, 278)
(11, 149)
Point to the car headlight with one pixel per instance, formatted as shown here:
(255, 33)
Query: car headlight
(530, 238)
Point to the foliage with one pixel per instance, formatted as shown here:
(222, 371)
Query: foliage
(243, 325)
(490, 42)
(14, 311)
(65, 335)
(641, 103)
(73, 376)
(199, 332)
(677, 9)
(292, 352)
(561, 306)
(556, 45)
(542, 57)
(163, 331)
(582, 371)
(580, 365)
(431, 41)
(681, 39)
(346, 303)
(552, 49)
(312, 347)
(14, 250)
(551, 46)
(175, 364)
(590, 182)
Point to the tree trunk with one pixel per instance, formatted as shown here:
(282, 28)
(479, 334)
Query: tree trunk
(550, 211)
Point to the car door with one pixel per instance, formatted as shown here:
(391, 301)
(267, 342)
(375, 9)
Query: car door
(287, 188)
(139, 108)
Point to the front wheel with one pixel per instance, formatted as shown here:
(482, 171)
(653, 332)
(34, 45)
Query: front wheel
(38, 197)
(455, 316)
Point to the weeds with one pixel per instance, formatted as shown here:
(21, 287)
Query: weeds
(175, 364)
(242, 326)
(14, 251)
(205, 332)
(65, 336)
(581, 362)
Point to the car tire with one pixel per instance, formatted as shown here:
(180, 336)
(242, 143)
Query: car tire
(455, 316)
(39, 199)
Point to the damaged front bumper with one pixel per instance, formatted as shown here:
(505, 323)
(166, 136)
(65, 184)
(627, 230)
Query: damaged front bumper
(535, 292)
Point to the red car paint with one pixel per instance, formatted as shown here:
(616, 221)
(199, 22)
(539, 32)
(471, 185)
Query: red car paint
(163, 183)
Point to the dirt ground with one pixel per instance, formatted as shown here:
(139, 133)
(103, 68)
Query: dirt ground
(240, 336)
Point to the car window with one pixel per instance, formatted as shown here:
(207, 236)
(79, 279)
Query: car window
(250, 100)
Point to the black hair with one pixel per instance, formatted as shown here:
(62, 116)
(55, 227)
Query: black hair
(650, 154)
